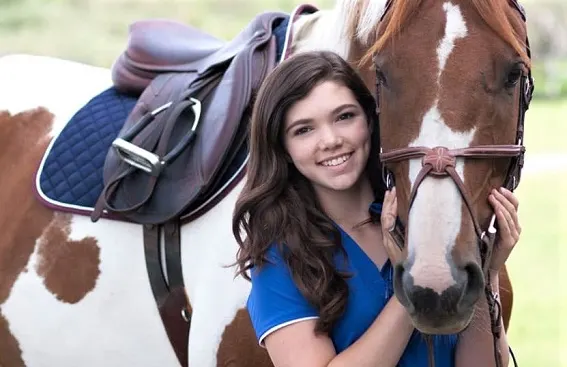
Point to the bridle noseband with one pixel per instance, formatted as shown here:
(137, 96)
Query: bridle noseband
(440, 162)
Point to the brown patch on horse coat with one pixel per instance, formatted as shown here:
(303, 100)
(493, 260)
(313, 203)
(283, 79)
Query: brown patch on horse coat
(10, 353)
(239, 346)
(23, 140)
(69, 268)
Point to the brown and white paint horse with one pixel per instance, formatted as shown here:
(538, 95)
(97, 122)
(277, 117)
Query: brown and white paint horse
(76, 293)
(447, 74)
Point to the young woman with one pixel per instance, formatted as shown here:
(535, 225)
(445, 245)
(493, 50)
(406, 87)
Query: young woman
(315, 233)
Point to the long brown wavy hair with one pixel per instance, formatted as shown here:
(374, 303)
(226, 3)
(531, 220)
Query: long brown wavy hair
(278, 205)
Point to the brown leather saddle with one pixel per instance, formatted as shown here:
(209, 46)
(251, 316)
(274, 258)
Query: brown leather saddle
(188, 126)
(189, 120)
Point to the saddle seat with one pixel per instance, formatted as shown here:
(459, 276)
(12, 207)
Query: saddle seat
(163, 46)
(160, 45)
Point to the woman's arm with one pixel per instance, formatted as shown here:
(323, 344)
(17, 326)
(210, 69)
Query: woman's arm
(476, 344)
(382, 344)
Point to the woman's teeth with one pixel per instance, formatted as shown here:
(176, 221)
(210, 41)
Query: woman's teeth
(336, 161)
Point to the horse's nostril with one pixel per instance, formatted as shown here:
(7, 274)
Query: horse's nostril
(473, 287)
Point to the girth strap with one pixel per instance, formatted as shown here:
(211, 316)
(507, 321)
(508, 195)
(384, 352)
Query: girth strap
(170, 296)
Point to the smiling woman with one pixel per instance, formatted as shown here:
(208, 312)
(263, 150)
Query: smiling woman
(321, 265)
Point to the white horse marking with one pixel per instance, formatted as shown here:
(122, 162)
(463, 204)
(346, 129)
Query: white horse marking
(436, 212)
(455, 28)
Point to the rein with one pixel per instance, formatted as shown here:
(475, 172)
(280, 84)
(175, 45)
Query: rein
(440, 162)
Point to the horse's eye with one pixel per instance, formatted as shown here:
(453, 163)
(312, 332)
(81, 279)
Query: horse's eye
(513, 77)
(380, 77)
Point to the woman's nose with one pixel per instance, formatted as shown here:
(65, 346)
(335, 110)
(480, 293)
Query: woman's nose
(330, 138)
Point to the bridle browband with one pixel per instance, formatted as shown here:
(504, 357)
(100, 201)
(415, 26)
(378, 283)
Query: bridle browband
(441, 161)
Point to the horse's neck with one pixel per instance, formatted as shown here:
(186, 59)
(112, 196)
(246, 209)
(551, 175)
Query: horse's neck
(322, 30)
(327, 30)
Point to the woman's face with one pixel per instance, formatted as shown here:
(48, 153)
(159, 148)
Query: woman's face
(327, 136)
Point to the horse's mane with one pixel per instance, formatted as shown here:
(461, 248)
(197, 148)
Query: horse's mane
(497, 15)
(363, 17)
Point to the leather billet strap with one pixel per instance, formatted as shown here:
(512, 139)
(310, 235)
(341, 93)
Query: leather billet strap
(170, 295)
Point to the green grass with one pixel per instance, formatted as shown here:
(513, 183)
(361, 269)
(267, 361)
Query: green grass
(546, 127)
(537, 269)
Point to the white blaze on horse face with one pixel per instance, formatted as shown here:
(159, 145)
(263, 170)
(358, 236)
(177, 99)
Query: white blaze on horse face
(455, 28)
(436, 213)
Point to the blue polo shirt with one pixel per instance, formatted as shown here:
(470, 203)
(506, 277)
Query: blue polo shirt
(275, 301)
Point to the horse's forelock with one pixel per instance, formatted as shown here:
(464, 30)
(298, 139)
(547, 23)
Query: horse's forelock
(497, 14)
(337, 29)
(399, 14)
(369, 18)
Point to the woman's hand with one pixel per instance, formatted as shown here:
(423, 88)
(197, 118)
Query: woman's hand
(505, 206)
(388, 220)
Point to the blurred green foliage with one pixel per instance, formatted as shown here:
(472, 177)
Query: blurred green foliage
(550, 79)
(95, 31)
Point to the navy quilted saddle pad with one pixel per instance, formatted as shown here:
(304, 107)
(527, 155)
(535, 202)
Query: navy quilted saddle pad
(70, 177)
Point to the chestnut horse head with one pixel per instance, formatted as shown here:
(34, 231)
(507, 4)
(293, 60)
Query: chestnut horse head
(453, 81)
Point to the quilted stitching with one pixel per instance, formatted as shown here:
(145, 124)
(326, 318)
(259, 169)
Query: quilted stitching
(72, 172)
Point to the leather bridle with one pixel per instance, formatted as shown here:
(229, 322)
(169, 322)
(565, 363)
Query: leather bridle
(440, 162)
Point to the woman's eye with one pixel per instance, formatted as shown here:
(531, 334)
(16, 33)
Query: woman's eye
(302, 130)
(346, 116)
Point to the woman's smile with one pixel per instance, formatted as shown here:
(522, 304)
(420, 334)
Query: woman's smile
(337, 160)
(328, 137)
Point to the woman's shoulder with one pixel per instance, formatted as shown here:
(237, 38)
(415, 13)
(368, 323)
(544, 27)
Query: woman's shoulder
(275, 299)
(273, 259)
